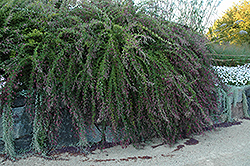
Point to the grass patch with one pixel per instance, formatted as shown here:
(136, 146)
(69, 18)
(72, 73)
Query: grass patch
(230, 54)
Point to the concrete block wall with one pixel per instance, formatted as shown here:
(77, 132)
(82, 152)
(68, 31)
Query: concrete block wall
(23, 129)
(232, 103)
(236, 102)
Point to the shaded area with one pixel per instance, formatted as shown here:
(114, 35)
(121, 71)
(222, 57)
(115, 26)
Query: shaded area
(191, 141)
(225, 124)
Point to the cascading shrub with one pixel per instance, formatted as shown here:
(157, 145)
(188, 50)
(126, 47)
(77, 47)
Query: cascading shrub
(109, 64)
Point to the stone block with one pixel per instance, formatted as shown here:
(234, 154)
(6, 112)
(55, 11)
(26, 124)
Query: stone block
(238, 95)
(93, 134)
(237, 111)
(248, 92)
(67, 134)
(17, 113)
(113, 137)
(248, 103)
(19, 102)
(22, 124)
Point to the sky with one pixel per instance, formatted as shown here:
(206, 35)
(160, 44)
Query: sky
(225, 4)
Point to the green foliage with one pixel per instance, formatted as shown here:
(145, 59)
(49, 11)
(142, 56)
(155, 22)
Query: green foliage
(233, 26)
(230, 54)
(7, 124)
(107, 62)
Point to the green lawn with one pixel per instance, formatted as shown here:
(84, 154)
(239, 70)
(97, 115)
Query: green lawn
(230, 55)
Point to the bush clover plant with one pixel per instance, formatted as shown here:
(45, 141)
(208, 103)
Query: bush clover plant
(107, 62)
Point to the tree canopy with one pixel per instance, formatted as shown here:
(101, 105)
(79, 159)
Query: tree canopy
(233, 26)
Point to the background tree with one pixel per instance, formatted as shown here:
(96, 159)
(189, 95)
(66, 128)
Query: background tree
(234, 26)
